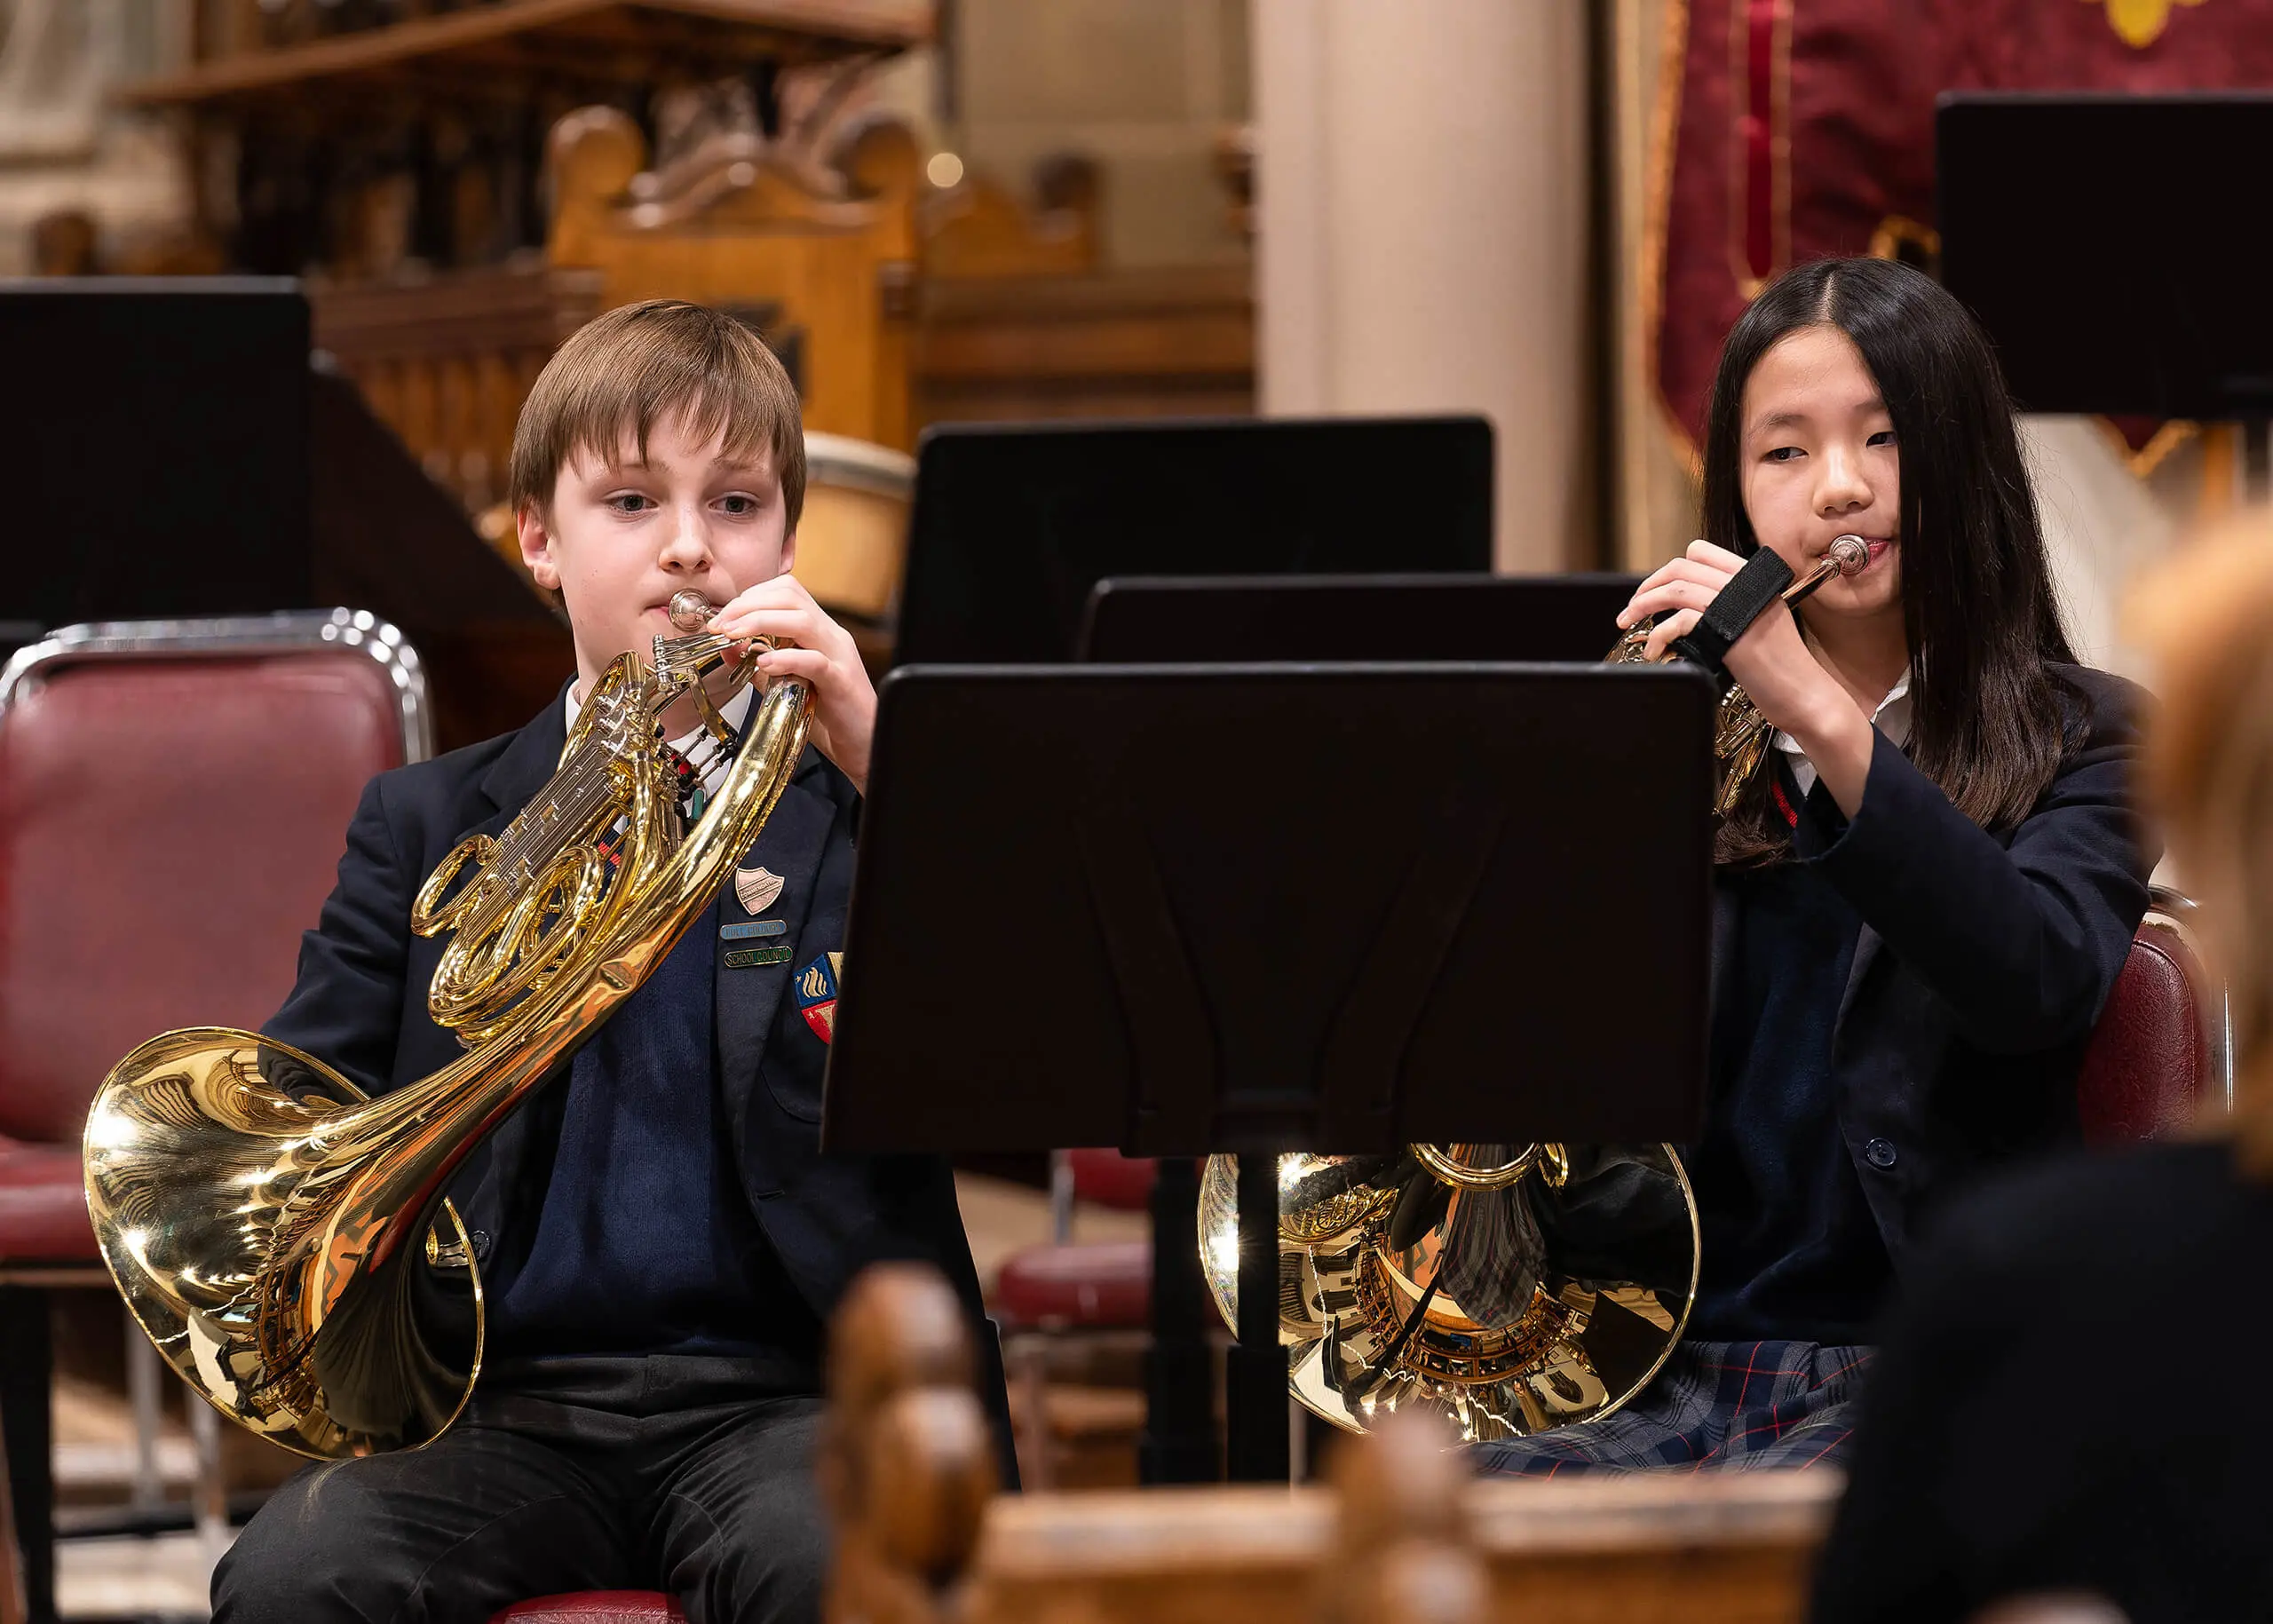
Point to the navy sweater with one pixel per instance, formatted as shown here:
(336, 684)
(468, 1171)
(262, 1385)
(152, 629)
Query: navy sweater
(644, 1242)
(1791, 1248)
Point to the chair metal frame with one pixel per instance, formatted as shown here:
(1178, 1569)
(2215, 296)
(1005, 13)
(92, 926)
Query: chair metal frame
(291, 631)
(230, 637)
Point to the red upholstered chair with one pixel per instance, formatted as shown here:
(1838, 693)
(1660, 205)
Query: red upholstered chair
(1063, 1284)
(1102, 1290)
(2161, 1049)
(172, 800)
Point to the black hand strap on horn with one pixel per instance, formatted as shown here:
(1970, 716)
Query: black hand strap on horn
(1750, 590)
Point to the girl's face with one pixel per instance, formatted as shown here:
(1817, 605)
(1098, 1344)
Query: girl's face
(1819, 462)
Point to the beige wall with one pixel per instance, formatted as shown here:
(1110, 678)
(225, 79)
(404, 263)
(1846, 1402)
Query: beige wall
(1145, 87)
(1420, 238)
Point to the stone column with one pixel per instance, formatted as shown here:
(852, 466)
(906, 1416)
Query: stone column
(1421, 181)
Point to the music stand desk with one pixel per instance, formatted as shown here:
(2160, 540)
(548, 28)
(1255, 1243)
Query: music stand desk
(1189, 909)
(1013, 523)
(1152, 619)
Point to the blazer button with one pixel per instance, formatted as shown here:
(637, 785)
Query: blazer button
(1879, 1153)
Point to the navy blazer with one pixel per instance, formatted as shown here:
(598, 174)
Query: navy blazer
(1984, 960)
(360, 1004)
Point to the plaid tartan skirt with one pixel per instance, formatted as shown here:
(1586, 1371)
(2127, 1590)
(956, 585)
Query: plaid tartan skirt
(1715, 1406)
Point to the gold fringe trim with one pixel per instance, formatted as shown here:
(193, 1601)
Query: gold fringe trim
(1898, 229)
(1664, 131)
(2151, 455)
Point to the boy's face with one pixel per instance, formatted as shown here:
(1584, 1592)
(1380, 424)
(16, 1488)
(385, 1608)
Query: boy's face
(625, 533)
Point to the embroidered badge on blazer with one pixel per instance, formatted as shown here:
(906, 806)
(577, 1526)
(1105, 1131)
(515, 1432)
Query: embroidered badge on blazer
(757, 888)
(816, 990)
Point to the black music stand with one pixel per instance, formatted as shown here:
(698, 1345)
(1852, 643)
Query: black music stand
(1152, 620)
(1014, 523)
(1186, 909)
(2158, 307)
(175, 395)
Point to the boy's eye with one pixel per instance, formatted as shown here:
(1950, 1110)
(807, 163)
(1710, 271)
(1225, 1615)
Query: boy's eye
(627, 501)
(738, 507)
(1785, 454)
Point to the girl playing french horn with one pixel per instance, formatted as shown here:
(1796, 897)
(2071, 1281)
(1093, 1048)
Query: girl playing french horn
(1922, 898)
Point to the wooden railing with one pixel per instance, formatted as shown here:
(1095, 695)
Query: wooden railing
(447, 361)
(1161, 342)
(893, 305)
(1402, 1534)
(621, 42)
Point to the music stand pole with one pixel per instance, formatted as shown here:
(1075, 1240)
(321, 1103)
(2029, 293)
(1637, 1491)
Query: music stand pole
(1256, 1450)
(1178, 1444)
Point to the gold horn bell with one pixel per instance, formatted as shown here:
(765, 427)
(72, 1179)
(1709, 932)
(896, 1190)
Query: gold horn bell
(1512, 1288)
(264, 1218)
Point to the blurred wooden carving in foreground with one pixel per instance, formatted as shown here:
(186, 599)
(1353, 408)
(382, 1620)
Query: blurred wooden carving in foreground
(1403, 1532)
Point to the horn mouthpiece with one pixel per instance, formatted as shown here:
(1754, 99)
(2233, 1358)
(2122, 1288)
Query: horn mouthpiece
(690, 610)
(1850, 552)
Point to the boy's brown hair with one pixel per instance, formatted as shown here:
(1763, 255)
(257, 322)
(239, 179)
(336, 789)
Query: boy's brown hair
(622, 374)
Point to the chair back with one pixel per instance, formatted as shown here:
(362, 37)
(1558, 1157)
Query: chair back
(2160, 1050)
(172, 798)
(1107, 1178)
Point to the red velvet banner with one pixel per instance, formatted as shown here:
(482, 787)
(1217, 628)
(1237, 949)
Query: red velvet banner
(1803, 127)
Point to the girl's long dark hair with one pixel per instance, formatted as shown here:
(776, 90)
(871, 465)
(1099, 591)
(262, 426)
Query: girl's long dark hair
(1987, 722)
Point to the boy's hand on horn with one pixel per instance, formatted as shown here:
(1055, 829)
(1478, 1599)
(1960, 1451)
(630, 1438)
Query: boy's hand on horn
(844, 701)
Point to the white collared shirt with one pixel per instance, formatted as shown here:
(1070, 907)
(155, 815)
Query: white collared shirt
(735, 712)
(1892, 719)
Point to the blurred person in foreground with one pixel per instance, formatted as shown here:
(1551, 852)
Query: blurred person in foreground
(2065, 1398)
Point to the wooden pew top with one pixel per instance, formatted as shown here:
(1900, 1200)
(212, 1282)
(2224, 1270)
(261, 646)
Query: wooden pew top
(1717, 1549)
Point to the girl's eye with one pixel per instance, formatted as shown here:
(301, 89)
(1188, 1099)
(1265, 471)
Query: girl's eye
(1785, 454)
(1884, 437)
(628, 501)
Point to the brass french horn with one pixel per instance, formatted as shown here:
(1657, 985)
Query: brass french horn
(1512, 1288)
(262, 1218)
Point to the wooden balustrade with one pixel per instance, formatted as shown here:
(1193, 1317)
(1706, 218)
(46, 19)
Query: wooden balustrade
(447, 361)
(1170, 341)
(1403, 1532)
(848, 274)
(246, 50)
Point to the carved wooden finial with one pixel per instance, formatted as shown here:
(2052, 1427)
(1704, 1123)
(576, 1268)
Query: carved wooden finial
(930, 1474)
(906, 1461)
(1402, 1548)
(900, 1327)
(589, 162)
(879, 157)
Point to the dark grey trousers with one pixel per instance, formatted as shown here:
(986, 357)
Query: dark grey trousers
(716, 1504)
